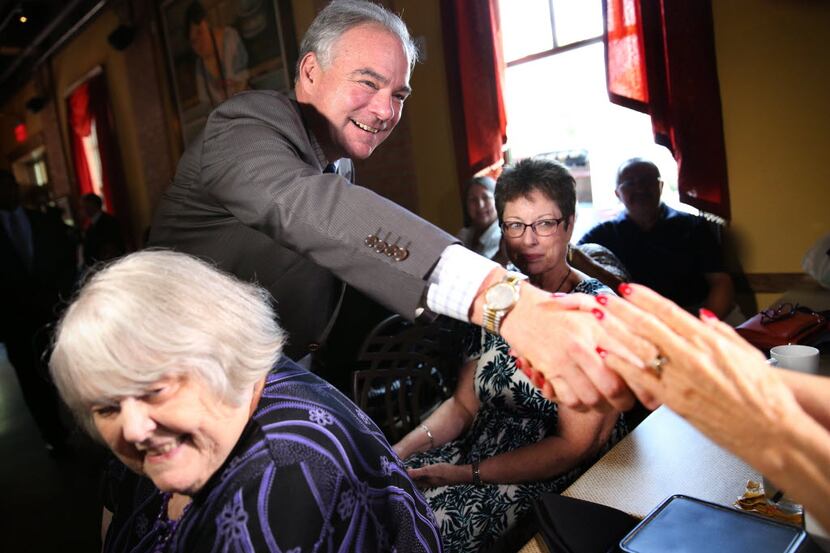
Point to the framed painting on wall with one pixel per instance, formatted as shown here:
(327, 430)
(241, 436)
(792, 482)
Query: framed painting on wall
(216, 48)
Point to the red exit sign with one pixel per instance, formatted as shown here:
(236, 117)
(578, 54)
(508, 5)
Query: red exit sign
(20, 132)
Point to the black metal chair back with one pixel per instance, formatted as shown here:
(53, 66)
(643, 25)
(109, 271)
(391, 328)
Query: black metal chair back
(407, 375)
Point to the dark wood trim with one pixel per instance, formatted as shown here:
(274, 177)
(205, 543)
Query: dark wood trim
(765, 283)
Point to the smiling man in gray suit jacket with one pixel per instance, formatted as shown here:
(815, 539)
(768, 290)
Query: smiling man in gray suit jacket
(254, 194)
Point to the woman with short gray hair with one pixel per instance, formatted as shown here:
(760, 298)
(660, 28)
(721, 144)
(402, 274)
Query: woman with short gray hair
(177, 368)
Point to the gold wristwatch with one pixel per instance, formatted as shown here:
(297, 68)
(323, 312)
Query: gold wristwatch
(499, 299)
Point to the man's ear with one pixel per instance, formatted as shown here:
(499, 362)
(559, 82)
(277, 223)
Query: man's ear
(617, 193)
(660, 185)
(309, 69)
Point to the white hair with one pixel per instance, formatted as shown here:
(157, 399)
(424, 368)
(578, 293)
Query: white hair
(159, 313)
(340, 16)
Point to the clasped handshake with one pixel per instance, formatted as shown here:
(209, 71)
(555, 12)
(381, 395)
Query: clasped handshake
(602, 352)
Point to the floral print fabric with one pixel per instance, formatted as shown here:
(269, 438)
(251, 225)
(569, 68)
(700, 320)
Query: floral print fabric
(512, 414)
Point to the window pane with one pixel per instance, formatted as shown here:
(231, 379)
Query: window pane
(525, 27)
(559, 104)
(577, 20)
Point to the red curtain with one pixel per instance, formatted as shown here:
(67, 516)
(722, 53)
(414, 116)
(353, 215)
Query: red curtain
(89, 103)
(81, 123)
(660, 58)
(475, 68)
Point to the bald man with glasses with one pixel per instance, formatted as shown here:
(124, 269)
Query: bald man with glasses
(676, 254)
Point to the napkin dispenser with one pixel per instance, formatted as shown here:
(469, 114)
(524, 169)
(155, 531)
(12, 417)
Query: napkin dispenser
(682, 524)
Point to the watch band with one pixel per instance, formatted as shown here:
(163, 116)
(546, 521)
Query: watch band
(492, 318)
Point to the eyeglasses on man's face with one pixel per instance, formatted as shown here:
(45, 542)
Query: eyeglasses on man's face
(542, 227)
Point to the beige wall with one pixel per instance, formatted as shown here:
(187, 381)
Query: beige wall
(774, 72)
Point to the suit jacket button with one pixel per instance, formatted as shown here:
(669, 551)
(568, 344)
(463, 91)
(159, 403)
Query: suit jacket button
(371, 240)
(402, 254)
(392, 251)
(381, 246)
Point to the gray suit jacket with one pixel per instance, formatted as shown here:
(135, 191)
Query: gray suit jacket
(250, 195)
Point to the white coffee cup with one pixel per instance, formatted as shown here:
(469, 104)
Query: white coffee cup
(796, 357)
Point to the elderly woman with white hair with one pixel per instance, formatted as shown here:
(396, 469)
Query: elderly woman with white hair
(177, 368)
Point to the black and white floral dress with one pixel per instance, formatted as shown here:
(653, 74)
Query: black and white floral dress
(512, 414)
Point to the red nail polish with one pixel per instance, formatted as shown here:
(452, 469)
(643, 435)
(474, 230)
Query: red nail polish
(602, 353)
(538, 380)
(625, 289)
(707, 314)
(598, 313)
(602, 299)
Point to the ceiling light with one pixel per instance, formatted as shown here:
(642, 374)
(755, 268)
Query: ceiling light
(23, 18)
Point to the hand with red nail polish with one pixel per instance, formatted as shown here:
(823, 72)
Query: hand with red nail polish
(778, 421)
(707, 314)
(625, 289)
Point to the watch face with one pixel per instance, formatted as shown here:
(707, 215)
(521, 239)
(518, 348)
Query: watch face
(500, 296)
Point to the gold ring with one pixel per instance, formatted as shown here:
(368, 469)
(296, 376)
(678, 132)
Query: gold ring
(657, 363)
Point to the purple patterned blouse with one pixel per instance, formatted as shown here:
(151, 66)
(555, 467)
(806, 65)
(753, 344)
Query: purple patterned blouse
(311, 472)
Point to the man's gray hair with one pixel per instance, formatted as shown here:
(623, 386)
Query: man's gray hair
(155, 314)
(340, 16)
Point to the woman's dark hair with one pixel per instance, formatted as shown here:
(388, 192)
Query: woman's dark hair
(549, 177)
(488, 183)
(194, 15)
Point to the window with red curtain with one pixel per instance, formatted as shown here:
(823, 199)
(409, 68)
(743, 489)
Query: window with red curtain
(80, 123)
(475, 70)
(660, 57)
(89, 112)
